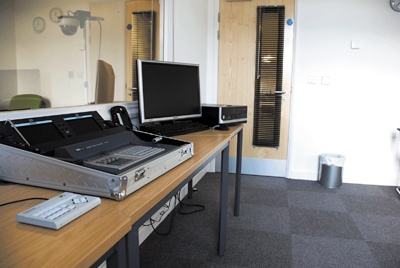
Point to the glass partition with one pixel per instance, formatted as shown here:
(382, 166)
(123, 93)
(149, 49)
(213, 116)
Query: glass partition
(40, 57)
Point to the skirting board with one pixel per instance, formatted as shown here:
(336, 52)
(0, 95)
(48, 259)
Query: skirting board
(304, 175)
(256, 166)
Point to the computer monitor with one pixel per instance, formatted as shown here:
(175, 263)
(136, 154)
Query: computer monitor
(105, 83)
(168, 91)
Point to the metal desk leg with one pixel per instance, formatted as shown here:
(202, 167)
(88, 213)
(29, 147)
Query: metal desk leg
(223, 209)
(238, 172)
(190, 189)
(118, 259)
(133, 247)
(115, 256)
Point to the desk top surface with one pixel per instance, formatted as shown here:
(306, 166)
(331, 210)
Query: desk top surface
(85, 240)
(23, 245)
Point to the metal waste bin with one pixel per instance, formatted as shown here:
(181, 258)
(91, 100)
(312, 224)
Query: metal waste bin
(331, 170)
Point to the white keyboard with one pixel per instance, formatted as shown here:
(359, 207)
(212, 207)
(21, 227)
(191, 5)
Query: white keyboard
(59, 210)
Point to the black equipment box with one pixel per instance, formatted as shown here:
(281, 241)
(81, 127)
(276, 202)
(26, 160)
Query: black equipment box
(221, 114)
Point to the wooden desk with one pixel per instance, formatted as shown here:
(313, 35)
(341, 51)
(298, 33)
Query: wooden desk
(112, 224)
(78, 244)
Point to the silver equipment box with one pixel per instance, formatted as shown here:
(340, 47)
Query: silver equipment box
(98, 161)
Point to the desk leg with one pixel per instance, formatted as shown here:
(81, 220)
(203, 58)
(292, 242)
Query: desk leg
(115, 256)
(238, 172)
(223, 213)
(190, 189)
(133, 247)
(118, 259)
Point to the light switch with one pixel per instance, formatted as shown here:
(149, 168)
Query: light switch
(325, 80)
(355, 44)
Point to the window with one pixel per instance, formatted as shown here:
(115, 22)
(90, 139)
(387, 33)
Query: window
(268, 80)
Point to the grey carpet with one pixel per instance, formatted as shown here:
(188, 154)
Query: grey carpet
(283, 223)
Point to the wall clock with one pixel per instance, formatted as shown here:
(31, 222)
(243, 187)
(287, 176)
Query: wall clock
(395, 4)
(39, 24)
(54, 14)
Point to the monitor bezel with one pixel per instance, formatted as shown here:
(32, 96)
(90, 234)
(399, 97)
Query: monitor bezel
(141, 101)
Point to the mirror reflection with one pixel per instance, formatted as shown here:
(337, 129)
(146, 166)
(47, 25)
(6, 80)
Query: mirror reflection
(65, 53)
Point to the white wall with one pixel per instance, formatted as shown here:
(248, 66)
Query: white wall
(7, 33)
(358, 112)
(53, 53)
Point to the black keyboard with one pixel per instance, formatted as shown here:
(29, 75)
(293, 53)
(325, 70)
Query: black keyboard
(175, 128)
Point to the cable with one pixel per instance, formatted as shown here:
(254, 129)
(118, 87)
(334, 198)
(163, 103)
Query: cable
(162, 213)
(22, 200)
(200, 207)
(168, 206)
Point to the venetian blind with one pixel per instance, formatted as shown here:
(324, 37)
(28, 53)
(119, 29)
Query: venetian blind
(268, 80)
(141, 37)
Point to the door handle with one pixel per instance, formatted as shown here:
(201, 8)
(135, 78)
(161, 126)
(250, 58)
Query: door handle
(280, 92)
(132, 89)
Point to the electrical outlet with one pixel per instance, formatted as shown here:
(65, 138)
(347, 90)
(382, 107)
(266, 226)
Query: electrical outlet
(326, 80)
(312, 80)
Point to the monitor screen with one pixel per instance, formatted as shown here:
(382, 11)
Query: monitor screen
(168, 91)
(38, 132)
(82, 124)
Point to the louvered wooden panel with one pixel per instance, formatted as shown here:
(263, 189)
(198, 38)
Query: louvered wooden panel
(269, 71)
(141, 40)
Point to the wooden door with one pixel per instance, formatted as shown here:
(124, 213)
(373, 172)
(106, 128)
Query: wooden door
(236, 78)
